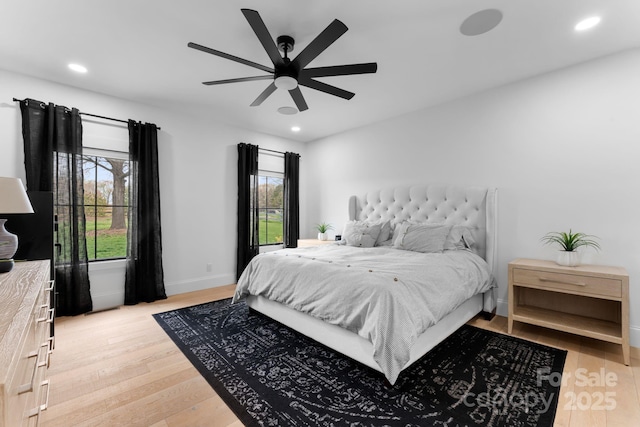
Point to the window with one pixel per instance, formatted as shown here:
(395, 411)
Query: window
(270, 209)
(106, 189)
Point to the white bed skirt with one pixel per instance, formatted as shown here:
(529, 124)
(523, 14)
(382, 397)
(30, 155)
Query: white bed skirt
(355, 346)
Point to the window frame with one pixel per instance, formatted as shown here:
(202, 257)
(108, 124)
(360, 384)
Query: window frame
(111, 154)
(263, 173)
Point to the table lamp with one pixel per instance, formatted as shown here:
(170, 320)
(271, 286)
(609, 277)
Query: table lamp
(13, 200)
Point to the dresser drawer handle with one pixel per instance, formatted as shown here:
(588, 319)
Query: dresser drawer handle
(43, 407)
(544, 279)
(47, 318)
(51, 286)
(28, 387)
(43, 312)
(45, 362)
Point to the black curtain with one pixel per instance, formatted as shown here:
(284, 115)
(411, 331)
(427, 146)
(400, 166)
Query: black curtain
(248, 243)
(291, 199)
(144, 276)
(53, 162)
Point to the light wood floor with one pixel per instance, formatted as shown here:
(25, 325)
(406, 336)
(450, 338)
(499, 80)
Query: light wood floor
(119, 368)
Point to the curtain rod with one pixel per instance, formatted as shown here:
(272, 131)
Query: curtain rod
(273, 151)
(92, 115)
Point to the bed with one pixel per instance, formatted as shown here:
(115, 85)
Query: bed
(385, 304)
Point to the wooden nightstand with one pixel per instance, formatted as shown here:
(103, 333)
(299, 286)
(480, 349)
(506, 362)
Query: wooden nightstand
(588, 300)
(307, 243)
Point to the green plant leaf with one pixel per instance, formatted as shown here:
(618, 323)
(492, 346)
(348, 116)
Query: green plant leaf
(570, 241)
(323, 227)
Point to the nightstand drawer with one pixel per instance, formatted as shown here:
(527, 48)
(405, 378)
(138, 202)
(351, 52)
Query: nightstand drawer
(571, 283)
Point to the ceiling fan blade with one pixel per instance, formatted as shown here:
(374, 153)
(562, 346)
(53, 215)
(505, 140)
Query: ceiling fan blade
(258, 26)
(231, 57)
(323, 87)
(320, 43)
(264, 95)
(340, 70)
(296, 94)
(238, 80)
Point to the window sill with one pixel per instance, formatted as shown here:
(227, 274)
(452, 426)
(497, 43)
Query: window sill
(107, 264)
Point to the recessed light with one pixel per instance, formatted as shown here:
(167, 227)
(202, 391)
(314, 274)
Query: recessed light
(295, 129)
(588, 23)
(78, 68)
(288, 111)
(481, 22)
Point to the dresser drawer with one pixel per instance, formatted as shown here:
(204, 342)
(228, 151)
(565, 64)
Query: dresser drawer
(570, 283)
(24, 385)
(24, 343)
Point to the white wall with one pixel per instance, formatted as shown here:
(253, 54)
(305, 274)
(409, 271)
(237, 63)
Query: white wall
(562, 149)
(198, 161)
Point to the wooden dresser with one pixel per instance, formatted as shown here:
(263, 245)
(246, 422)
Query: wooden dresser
(25, 342)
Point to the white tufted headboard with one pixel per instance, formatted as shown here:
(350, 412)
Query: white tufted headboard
(475, 207)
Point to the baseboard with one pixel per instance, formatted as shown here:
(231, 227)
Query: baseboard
(107, 301)
(198, 284)
(502, 307)
(635, 354)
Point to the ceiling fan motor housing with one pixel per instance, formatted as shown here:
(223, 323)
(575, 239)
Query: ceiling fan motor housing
(285, 44)
(287, 68)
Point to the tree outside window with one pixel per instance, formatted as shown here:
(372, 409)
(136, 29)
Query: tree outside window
(270, 209)
(106, 187)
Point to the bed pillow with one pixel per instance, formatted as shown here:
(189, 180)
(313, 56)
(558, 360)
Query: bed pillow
(425, 238)
(385, 234)
(460, 237)
(361, 234)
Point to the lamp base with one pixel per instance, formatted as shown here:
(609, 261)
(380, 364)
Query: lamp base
(6, 265)
(8, 242)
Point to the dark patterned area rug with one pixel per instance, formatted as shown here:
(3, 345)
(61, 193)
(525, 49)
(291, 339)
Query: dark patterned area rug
(270, 375)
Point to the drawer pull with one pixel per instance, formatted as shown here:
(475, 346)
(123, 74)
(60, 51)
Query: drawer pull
(45, 318)
(544, 279)
(43, 308)
(51, 286)
(43, 407)
(45, 362)
(28, 387)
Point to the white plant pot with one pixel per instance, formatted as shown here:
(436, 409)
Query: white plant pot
(568, 259)
(322, 236)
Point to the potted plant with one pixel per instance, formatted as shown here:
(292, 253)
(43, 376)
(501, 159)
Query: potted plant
(569, 244)
(322, 228)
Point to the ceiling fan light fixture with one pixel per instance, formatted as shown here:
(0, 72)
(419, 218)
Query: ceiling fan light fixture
(286, 82)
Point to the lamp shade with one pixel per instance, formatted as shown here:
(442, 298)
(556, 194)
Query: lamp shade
(13, 197)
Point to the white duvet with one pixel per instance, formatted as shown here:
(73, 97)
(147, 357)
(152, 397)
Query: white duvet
(387, 296)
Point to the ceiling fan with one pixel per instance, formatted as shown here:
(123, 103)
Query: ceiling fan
(291, 74)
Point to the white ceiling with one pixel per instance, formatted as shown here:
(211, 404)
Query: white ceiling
(138, 50)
